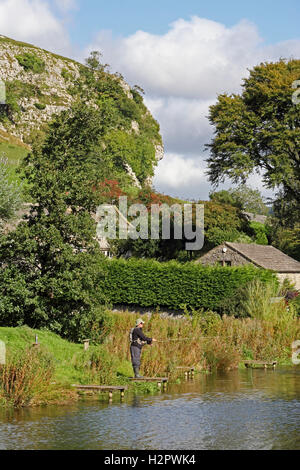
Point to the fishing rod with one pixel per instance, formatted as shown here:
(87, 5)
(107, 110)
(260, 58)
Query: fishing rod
(185, 339)
(168, 340)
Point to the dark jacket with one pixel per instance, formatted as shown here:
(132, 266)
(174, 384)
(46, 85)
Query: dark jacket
(138, 334)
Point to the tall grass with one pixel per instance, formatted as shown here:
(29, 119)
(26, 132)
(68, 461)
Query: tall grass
(208, 341)
(257, 302)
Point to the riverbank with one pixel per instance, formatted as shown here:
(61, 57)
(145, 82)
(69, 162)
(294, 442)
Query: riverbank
(44, 374)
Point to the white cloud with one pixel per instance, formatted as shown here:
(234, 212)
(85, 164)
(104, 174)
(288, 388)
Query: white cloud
(194, 59)
(184, 124)
(182, 177)
(185, 177)
(33, 21)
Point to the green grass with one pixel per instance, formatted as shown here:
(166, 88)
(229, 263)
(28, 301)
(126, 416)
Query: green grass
(65, 353)
(70, 359)
(14, 154)
(72, 363)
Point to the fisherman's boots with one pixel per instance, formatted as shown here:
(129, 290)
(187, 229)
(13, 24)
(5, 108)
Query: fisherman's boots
(136, 373)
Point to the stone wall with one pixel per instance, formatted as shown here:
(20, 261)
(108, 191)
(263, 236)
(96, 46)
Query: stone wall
(293, 277)
(217, 256)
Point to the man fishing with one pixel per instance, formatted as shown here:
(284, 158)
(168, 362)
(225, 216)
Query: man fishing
(138, 340)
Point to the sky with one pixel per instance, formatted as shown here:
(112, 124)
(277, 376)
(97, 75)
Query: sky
(183, 53)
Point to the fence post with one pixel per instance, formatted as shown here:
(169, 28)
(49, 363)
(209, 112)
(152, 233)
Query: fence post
(2, 353)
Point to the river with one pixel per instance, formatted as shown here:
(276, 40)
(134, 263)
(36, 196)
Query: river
(248, 409)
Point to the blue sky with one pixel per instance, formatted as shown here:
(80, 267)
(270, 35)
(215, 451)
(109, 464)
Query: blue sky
(182, 53)
(277, 20)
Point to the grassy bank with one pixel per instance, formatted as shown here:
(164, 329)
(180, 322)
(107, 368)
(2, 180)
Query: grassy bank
(13, 154)
(44, 375)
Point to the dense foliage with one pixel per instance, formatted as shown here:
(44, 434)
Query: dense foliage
(51, 265)
(222, 222)
(259, 129)
(242, 197)
(285, 228)
(173, 285)
(130, 133)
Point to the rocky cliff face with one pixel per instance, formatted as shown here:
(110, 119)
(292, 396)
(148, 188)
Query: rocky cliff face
(40, 84)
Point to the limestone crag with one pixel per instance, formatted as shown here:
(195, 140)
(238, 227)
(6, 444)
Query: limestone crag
(39, 96)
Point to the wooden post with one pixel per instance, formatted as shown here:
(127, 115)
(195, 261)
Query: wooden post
(36, 344)
(86, 343)
(110, 395)
(186, 374)
(2, 353)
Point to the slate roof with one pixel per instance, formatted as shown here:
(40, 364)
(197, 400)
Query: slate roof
(266, 256)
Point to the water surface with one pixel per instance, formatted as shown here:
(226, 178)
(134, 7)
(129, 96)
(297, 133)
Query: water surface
(251, 409)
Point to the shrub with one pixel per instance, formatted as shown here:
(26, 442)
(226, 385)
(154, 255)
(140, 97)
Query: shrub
(95, 324)
(98, 365)
(260, 232)
(40, 106)
(31, 62)
(256, 301)
(148, 283)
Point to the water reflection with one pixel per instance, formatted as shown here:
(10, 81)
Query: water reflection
(251, 409)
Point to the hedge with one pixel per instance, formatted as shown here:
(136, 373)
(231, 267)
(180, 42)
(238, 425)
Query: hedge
(149, 283)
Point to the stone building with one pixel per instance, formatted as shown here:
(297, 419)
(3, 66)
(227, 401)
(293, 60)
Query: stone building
(262, 256)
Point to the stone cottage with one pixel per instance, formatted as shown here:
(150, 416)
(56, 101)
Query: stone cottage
(262, 256)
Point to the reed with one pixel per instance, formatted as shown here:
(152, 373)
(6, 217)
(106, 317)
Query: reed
(206, 340)
(26, 376)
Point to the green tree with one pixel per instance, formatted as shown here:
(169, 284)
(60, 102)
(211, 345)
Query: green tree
(260, 232)
(119, 108)
(243, 197)
(285, 225)
(259, 130)
(51, 266)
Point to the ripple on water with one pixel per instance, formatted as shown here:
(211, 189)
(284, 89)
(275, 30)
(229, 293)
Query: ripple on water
(240, 410)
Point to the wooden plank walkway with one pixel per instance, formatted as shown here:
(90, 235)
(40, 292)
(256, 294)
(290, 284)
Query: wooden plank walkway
(160, 380)
(103, 388)
(264, 364)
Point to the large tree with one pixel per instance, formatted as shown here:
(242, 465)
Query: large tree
(259, 130)
(50, 267)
